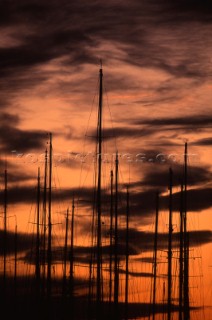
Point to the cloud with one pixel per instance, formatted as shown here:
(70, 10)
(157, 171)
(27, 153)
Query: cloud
(197, 200)
(139, 242)
(24, 242)
(202, 142)
(17, 140)
(123, 132)
(159, 177)
(191, 10)
(199, 121)
(143, 241)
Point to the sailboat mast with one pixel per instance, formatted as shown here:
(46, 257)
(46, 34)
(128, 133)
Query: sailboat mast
(155, 257)
(72, 251)
(116, 264)
(186, 242)
(37, 267)
(15, 265)
(49, 252)
(181, 257)
(5, 233)
(65, 253)
(111, 234)
(170, 248)
(127, 256)
(99, 196)
(44, 220)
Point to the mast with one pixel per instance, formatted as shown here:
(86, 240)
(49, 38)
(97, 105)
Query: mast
(99, 199)
(5, 234)
(15, 265)
(181, 257)
(186, 242)
(44, 220)
(49, 252)
(111, 234)
(91, 267)
(116, 264)
(72, 253)
(164, 294)
(65, 254)
(127, 256)
(37, 266)
(155, 257)
(170, 248)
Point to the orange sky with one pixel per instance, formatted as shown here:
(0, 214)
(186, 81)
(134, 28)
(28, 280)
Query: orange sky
(157, 95)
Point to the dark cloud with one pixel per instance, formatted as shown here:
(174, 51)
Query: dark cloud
(123, 132)
(16, 140)
(193, 10)
(144, 241)
(160, 177)
(149, 127)
(173, 123)
(27, 194)
(24, 242)
(139, 242)
(137, 274)
(6, 118)
(197, 200)
(56, 29)
(16, 177)
(202, 142)
(142, 204)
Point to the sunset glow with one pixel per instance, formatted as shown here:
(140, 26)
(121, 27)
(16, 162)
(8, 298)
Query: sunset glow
(61, 198)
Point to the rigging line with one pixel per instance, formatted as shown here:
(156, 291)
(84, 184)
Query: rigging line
(56, 176)
(86, 131)
(111, 118)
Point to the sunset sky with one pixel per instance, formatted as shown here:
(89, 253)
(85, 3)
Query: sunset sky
(157, 66)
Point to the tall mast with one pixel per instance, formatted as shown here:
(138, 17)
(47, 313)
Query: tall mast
(49, 252)
(15, 265)
(99, 198)
(44, 219)
(111, 234)
(72, 252)
(181, 257)
(5, 233)
(65, 254)
(91, 267)
(155, 257)
(170, 248)
(37, 266)
(186, 242)
(127, 256)
(116, 264)
(164, 294)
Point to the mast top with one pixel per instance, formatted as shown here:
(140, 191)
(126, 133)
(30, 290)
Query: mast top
(100, 62)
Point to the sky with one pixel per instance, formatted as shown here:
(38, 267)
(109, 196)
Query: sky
(156, 59)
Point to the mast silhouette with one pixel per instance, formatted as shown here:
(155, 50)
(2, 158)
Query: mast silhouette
(49, 251)
(72, 252)
(5, 234)
(111, 235)
(99, 198)
(37, 265)
(65, 254)
(155, 258)
(127, 256)
(44, 221)
(170, 248)
(186, 242)
(15, 263)
(181, 257)
(116, 262)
